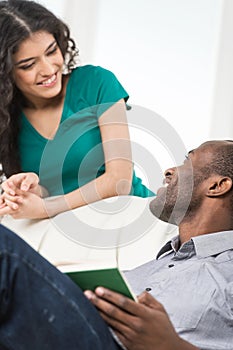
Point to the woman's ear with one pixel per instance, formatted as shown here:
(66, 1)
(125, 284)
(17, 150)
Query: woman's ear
(219, 186)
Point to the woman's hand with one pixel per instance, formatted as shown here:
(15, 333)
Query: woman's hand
(25, 205)
(22, 197)
(139, 326)
(14, 200)
(25, 182)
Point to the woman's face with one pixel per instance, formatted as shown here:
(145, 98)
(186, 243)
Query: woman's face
(38, 67)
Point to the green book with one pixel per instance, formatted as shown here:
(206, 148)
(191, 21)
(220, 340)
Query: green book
(88, 278)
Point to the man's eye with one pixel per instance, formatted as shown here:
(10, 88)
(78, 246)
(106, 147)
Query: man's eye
(186, 158)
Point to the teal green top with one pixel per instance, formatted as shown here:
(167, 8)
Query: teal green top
(75, 156)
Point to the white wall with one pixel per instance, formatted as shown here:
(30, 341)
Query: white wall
(55, 6)
(222, 99)
(170, 55)
(165, 53)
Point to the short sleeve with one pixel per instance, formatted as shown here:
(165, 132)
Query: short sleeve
(93, 87)
(108, 89)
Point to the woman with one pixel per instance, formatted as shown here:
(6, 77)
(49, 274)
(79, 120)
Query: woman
(64, 134)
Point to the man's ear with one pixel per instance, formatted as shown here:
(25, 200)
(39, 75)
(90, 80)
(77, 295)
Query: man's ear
(219, 186)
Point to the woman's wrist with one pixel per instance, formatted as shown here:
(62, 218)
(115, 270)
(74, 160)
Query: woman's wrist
(43, 192)
(55, 205)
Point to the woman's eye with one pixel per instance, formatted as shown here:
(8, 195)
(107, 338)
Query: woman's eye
(52, 51)
(27, 66)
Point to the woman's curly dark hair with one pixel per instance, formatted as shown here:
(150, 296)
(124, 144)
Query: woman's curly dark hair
(18, 20)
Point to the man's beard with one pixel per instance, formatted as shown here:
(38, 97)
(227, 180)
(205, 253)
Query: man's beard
(175, 202)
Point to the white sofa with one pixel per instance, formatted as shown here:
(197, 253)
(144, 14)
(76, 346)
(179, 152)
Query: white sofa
(94, 232)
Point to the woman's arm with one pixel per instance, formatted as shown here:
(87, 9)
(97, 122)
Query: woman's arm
(117, 178)
(115, 181)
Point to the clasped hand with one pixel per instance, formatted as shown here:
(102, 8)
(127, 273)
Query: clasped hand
(22, 197)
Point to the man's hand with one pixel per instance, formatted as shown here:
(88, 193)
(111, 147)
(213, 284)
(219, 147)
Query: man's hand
(139, 326)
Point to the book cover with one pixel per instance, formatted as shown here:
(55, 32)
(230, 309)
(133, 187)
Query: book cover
(89, 277)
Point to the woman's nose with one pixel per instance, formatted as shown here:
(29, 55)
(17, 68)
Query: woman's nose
(46, 67)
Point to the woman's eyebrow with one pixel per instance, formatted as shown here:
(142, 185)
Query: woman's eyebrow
(32, 58)
(51, 45)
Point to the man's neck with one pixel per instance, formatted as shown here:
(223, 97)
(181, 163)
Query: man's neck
(203, 224)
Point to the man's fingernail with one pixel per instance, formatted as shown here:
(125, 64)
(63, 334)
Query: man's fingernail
(88, 294)
(99, 291)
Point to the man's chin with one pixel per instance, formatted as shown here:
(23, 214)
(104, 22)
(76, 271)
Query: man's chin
(157, 207)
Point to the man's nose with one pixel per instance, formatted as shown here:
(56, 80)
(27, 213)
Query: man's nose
(169, 172)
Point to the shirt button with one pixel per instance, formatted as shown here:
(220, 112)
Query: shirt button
(148, 289)
(171, 265)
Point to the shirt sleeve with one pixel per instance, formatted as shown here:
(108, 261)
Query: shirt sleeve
(108, 89)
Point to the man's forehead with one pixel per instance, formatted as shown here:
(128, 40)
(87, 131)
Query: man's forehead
(209, 146)
(207, 150)
(216, 143)
(204, 152)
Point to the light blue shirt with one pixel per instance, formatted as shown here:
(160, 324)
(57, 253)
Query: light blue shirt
(195, 285)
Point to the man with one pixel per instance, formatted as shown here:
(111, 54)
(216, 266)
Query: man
(192, 276)
(42, 309)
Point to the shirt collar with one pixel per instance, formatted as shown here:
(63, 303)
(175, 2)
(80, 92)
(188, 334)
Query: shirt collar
(213, 243)
(204, 245)
(170, 246)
